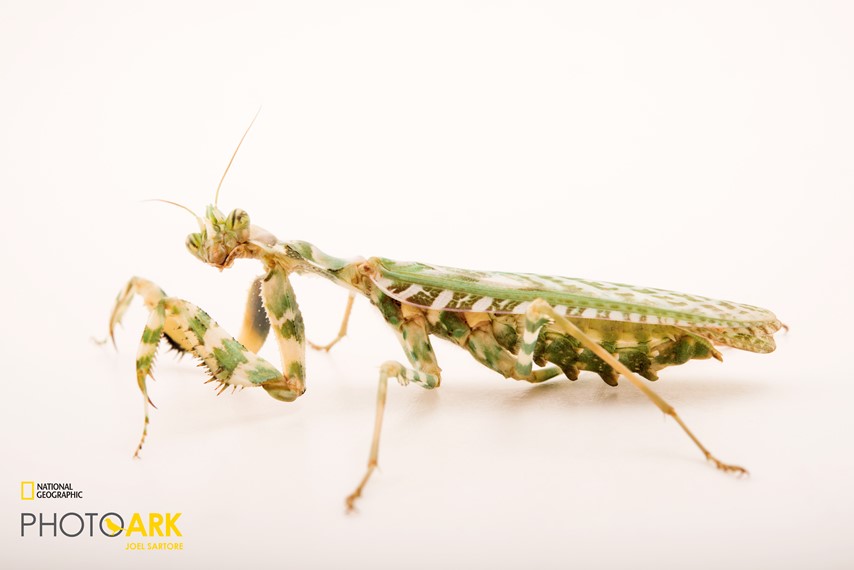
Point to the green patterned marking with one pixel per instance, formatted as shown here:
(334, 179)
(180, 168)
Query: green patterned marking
(453, 324)
(635, 360)
(311, 253)
(684, 350)
(230, 356)
(262, 372)
(389, 308)
(280, 304)
(144, 362)
(151, 336)
(559, 349)
(421, 350)
(199, 324)
(702, 350)
(589, 361)
(508, 290)
(492, 355)
(296, 370)
(294, 329)
(504, 331)
(533, 326)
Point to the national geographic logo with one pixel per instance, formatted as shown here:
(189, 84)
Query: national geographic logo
(30, 491)
(74, 524)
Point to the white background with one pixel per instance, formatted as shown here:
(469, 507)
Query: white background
(704, 148)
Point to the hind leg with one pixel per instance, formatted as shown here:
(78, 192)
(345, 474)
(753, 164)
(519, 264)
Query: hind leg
(540, 312)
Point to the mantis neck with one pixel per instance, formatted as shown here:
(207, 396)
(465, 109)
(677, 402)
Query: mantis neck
(303, 257)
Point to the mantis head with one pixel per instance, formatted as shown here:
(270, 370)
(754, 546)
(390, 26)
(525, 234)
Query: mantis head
(220, 237)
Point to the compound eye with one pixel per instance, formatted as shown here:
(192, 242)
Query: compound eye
(194, 243)
(237, 220)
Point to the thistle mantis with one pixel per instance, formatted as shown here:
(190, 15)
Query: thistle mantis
(506, 321)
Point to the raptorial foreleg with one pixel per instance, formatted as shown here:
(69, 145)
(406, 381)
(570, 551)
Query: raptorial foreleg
(256, 325)
(189, 329)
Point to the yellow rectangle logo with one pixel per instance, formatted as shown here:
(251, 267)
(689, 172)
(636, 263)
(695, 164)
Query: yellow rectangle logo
(28, 490)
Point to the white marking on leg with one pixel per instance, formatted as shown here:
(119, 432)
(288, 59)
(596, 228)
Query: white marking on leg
(213, 338)
(529, 337)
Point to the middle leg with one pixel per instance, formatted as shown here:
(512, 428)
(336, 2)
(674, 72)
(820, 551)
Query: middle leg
(342, 332)
(482, 343)
(412, 332)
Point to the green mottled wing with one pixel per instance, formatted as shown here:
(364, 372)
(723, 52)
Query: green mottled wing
(449, 289)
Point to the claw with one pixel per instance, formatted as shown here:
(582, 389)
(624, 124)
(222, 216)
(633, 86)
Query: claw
(351, 503)
(727, 468)
(322, 348)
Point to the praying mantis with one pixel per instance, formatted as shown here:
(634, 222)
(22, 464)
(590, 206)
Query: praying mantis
(508, 322)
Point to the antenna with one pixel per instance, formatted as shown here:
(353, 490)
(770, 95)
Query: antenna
(179, 205)
(216, 197)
